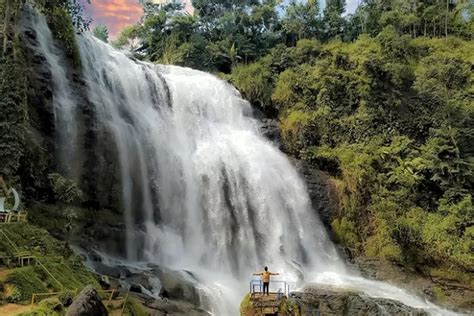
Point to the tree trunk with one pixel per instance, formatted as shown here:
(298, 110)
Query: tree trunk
(424, 27)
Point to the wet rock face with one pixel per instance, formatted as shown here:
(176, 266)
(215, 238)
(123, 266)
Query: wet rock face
(321, 194)
(334, 302)
(161, 290)
(87, 303)
(316, 180)
(271, 130)
(40, 93)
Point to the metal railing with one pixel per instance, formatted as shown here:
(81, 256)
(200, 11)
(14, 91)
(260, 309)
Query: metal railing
(283, 286)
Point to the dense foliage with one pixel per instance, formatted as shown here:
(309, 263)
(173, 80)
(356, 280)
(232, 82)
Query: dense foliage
(13, 109)
(222, 34)
(382, 100)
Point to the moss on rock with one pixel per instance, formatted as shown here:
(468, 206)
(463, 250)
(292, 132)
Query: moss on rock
(134, 308)
(61, 25)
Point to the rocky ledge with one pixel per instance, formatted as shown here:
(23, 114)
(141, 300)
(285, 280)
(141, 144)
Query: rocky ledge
(334, 302)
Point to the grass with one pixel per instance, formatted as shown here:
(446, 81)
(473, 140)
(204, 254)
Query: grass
(70, 274)
(25, 282)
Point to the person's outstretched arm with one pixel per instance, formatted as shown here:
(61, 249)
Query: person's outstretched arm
(258, 273)
(274, 273)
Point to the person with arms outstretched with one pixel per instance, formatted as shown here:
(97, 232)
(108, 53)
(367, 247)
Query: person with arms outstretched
(266, 279)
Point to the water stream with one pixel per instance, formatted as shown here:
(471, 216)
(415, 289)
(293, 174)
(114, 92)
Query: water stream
(209, 193)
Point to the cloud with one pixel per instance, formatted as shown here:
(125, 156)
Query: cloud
(116, 14)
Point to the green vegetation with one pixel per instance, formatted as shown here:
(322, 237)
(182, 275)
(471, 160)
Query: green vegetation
(13, 106)
(61, 26)
(69, 274)
(25, 282)
(101, 32)
(396, 130)
(26, 159)
(134, 308)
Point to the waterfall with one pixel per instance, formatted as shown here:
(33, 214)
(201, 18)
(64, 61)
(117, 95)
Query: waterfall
(227, 198)
(209, 194)
(64, 100)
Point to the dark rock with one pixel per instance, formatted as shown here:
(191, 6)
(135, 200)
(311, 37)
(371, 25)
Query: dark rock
(336, 302)
(270, 129)
(137, 288)
(118, 272)
(163, 293)
(457, 296)
(66, 298)
(104, 281)
(180, 286)
(168, 307)
(319, 191)
(87, 303)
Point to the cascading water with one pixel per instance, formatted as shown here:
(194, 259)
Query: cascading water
(64, 101)
(210, 194)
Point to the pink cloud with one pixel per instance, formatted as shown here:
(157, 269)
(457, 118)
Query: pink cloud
(116, 14)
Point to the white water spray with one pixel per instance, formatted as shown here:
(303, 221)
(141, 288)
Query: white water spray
(214, 196)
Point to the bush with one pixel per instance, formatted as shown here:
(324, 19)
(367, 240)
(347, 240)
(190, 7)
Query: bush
(346, 233)
(255, 83)
(25, 282)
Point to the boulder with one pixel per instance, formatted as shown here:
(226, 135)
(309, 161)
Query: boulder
(87, 303)
(179, 285)
(335, 302)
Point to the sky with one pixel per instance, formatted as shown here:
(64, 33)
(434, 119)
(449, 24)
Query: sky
(351, 6)
(117, 14)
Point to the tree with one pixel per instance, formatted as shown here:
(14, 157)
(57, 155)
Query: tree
(128, 38)
(66, 191)
(302, 20)
(101, 32)
(334, 23)
(74, 8)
